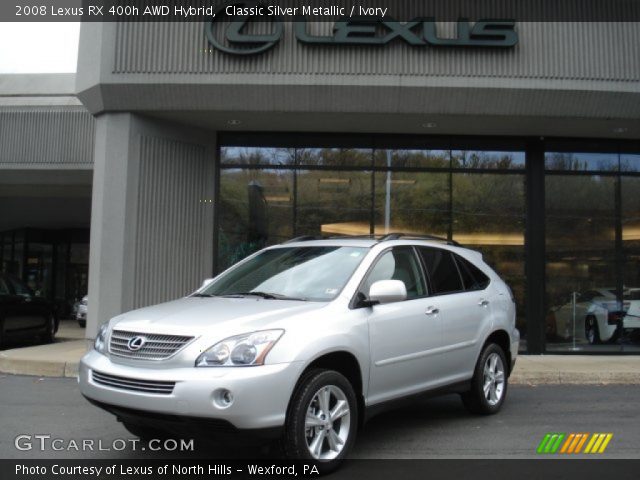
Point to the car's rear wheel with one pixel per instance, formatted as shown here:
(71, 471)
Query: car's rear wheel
(322, 420)
(591, 330)
(489, 383)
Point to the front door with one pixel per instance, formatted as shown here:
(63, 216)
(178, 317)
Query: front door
(402, 335)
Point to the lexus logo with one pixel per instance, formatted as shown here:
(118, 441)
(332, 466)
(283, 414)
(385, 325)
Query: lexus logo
(136, 343)
(236, 40)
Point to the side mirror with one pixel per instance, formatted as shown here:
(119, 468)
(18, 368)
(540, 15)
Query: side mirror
(206, 283)
(387, 291)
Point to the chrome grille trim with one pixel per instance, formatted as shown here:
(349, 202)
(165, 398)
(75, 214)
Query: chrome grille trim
(157, 346)
(133, 384)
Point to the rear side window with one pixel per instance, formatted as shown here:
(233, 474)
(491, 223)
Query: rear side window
(442, 270)
(472, 276)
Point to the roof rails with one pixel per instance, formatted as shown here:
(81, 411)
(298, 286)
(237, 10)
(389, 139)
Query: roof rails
(379, 238)
(409, 236)
(302, 238)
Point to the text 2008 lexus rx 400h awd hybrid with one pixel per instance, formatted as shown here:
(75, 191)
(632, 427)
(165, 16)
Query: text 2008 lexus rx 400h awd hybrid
(306, 339)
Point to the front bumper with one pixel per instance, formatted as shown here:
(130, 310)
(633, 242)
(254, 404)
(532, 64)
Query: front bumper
(260, 394)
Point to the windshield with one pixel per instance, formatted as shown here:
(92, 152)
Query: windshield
(296, 273)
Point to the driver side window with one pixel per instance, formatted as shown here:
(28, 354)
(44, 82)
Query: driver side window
(397, 264)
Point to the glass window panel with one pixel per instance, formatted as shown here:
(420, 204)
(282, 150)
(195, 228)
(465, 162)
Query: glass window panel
(333, 202)
(489, 216)
(256, 209)
(412, 202)
(335, 157)
(443, 273)
(413, 158)
(585, 162)
(580, 263)
(397, 264)
(39, 268)
(256, 156)
(631, 247)
(630, 162)
(478, 159)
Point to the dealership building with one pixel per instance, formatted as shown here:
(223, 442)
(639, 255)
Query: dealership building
(178, 149)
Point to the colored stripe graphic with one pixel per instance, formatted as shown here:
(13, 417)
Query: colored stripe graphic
(572, 443)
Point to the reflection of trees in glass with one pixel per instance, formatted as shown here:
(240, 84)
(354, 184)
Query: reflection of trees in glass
(419, 202)
(256, 156)
(332, 157)
(235, 237)
(581, 161)
(488, 160)
(327, 197)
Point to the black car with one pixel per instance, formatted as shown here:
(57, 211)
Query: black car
(23, 314)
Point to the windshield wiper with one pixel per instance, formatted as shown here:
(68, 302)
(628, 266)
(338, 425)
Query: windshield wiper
(203, 295)
(265, 295)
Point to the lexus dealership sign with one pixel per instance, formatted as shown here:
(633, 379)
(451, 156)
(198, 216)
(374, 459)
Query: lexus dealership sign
(228, 32)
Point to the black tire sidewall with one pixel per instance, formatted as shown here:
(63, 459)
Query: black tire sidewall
(596, 330)
(481, 403)
(294, 441)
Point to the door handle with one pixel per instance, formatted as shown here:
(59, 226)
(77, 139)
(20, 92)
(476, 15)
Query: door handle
(432, 311)
(483, 303)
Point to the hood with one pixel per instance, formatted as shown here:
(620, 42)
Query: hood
(203, 315)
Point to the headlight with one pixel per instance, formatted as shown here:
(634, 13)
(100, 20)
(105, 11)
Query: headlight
(100, 343)
(241, 350)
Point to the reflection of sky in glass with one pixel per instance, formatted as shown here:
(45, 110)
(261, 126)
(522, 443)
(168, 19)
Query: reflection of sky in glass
(586, 162)
(630, 162)
(319, 278)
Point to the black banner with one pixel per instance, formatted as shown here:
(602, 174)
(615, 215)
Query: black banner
(318, 10)
(477, 469)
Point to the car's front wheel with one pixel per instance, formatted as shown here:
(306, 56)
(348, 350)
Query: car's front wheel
(489, 382)
(322, 419)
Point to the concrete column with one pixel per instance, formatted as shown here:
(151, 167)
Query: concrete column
(152, 214)
(114, 184)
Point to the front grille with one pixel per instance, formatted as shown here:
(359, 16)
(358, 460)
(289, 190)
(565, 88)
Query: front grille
(133, 384)
(156, 347)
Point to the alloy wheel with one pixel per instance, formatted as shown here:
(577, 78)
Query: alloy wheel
(327, 423)
(494, 378)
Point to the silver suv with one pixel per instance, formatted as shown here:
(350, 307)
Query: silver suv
(306, 340)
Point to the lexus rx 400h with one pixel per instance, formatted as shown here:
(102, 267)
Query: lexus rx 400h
(306, 340)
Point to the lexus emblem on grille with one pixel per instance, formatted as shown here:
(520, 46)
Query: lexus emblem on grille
(136, 343)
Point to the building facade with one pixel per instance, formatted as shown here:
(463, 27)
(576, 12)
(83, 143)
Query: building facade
(528, 153)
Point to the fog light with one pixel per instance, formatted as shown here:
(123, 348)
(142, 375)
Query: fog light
(222, 398)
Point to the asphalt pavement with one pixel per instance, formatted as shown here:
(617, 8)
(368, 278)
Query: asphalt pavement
(435, 428)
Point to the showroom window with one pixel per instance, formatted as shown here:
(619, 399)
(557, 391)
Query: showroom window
(474, 196)
(592, 250)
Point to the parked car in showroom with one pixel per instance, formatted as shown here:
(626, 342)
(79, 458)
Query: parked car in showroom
(306, 340)
(598, 315)
(81, 311)
(23, 314)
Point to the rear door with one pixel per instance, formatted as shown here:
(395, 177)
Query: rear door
(402, 336)
(464, 309)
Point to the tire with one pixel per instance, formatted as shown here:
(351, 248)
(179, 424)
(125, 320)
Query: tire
(591, 330)
(489, 383)
(319, 394)
(50, 335)
(82, 323)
